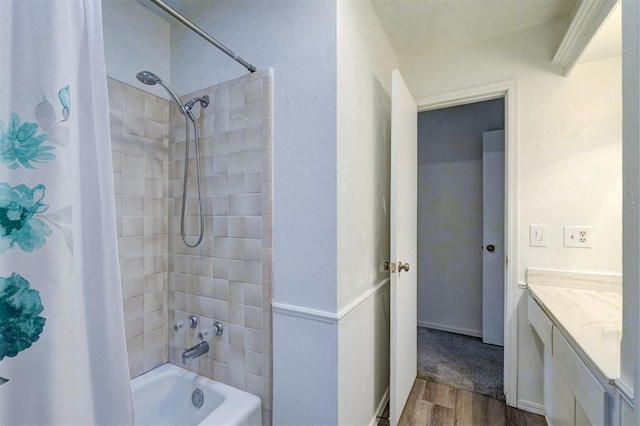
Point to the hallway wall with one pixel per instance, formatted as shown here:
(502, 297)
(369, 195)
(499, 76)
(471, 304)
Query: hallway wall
(450, 214)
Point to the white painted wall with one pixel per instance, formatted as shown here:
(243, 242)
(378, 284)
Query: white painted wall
(305, 367)
(450, 214)
(569, 145)
(569, 159)
(363, 360)
(364, 63)
(135, 39)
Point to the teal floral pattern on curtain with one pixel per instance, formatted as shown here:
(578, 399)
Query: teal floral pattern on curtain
(25, 143)
(18, 222)
(22, 221)
(48, 120)
(21, 146)
(20, 308)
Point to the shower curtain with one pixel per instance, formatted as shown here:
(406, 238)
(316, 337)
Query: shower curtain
(62, 348)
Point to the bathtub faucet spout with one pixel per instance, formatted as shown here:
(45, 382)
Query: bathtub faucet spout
(189, 354)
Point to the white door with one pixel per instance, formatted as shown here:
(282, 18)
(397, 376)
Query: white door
(493, 260)
(404, 193)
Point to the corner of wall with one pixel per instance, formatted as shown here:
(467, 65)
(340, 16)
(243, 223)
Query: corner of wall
(365, 60)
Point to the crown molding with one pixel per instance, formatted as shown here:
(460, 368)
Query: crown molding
(586, 20)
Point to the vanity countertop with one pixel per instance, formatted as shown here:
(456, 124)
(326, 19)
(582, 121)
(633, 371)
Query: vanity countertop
(587, 308)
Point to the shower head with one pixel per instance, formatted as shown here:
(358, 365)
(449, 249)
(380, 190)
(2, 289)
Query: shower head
(147, 77)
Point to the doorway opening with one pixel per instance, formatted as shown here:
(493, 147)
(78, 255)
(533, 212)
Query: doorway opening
(508, 91)
(461, 246)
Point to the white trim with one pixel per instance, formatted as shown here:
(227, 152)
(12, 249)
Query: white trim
(508, 90)
(363, 297)
(450, 328)
(522, 285)
(622, 398)
(624, 391)
(532, 407)
(325, 316)
(546, 274)
(380, 409)
(465, 96)
(588, 17)
(302, 312)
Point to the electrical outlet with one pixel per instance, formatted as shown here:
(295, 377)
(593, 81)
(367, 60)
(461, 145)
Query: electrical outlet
(577, 236)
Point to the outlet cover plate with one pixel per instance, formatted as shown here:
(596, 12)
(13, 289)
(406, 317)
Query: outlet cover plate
(577, 236)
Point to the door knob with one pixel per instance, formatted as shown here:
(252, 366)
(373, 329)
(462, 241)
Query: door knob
(403, 267)
(491, 247)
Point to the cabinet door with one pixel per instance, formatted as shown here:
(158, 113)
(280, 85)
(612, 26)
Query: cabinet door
(581, 416)
(585, 387)
(540, 322)
(562, 402)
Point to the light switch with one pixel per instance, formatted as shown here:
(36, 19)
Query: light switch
(538, 235)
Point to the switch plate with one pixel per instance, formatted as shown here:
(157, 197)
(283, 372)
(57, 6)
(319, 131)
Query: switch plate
(577, 236)
(539, 235)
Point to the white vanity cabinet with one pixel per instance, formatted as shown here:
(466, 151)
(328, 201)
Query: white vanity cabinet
(572, 394)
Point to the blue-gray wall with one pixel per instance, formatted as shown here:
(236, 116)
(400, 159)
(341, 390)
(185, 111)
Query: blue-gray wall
(450, 214)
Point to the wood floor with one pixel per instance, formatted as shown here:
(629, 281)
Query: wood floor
(431, 404)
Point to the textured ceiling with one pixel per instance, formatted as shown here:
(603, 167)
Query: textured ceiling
(414, 26)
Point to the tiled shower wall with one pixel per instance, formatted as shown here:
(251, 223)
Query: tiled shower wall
(228, 278)
(139, 142)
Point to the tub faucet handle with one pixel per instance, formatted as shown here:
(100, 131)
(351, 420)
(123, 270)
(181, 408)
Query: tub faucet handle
(191, 322)
(217, 327)
(208, 333)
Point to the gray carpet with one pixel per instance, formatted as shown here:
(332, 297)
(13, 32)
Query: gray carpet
(460, 361)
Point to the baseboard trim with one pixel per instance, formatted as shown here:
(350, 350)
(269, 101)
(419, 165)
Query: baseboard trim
(380, 409)
(450, 329)
(532, 407)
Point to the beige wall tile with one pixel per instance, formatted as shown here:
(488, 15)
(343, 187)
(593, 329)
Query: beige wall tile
(222, 278)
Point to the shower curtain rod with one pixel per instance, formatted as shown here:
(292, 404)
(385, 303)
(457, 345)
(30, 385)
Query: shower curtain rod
(203, 34)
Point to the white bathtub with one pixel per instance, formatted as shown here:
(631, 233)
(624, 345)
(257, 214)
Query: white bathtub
(163, 397)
